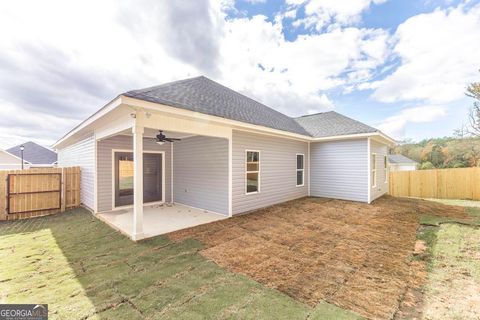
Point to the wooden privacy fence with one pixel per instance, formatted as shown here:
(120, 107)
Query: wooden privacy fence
(37, 192)
(460, 183)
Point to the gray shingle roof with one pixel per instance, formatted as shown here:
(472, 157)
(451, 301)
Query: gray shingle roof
(34, 153)
(399, 158)
(331, 123)
(206, 96)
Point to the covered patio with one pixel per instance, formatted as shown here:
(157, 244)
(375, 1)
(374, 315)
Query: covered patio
(159, 219)
(147, 187)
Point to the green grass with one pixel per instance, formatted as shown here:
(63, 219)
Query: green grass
(454, 278)
(85, 270)
(451, 291)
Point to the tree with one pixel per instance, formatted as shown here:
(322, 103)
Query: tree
(461, 132)
(473, 91)
(427, 165)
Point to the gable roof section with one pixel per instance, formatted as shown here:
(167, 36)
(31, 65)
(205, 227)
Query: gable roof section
(400, 158)
(331, 123)
(206, 96)
(34, 153)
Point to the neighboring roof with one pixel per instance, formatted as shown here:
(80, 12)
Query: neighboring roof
(206, 96)
(331, 123)
(34, 153)
(399, 158)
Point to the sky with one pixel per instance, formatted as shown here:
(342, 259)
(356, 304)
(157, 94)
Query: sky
(400, 66)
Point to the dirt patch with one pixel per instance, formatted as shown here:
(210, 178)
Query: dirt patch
(420, 247)
(354, 255)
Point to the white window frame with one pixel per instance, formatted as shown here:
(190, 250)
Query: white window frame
(257, 171)
(385, 167)
(303, 170)
(373, 168)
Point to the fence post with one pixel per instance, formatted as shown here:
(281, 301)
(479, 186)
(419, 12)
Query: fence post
(63, 187)
(3, 195)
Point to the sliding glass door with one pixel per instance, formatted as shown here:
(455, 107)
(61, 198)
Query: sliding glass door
(152, 178)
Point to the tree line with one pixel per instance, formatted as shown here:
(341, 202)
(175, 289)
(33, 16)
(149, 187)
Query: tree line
(459, 151)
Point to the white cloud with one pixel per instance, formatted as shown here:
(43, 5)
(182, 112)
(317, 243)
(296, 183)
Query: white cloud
(395, 125)
(322, 13)
(292, 75)
(440, 55)
(64, 60)
(255, 1)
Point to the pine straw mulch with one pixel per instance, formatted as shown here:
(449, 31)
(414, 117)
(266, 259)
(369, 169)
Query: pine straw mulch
(354, 255)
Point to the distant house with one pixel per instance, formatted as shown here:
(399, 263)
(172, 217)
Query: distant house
(398, 162)
(34, 156)
(10, 162)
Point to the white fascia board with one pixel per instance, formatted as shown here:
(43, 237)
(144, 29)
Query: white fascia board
(383, 138)
(146, 105)
(114, 127)
(201, 117)
(103, 111)
(378, 136)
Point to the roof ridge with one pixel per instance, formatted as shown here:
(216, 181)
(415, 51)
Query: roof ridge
(244, 95)
(314, 114)
(146, 91)
(152, 88)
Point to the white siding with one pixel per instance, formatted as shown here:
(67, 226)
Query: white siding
(82, 154)
(339, 169)
(200, 173)
(277, 170)
(104, 158)
(381, 187)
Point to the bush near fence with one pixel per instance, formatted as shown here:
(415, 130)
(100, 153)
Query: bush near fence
(459, 183)
(38, 192)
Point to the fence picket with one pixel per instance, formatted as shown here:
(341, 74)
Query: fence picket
(459, 183)
(37, 192)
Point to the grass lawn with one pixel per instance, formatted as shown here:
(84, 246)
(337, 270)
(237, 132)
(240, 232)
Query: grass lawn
(85, 270)
(452, 290)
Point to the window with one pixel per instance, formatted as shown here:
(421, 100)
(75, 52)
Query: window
(385, 168)
(252, 171)
(300, 169)
(125, 175)
(373, 166)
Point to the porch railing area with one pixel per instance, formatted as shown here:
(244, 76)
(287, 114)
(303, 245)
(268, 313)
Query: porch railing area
(38, 192)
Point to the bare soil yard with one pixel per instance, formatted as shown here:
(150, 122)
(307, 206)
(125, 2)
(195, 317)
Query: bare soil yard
(356, 256)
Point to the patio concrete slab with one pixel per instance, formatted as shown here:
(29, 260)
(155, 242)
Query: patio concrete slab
(159, 219)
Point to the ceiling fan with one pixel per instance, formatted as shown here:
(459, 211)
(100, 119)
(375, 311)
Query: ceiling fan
(161, 138)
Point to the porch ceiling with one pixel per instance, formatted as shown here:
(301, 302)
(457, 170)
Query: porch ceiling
(151, 133)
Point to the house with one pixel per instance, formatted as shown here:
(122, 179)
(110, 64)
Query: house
(10, 162)
(34, 155)
(234, 155)
(398, 162)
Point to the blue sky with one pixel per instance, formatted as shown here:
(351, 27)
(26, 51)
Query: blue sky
(387, 16)
(401, 66)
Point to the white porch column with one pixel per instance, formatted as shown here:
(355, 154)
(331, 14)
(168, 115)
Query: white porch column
(137, 131)
(230, 175)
